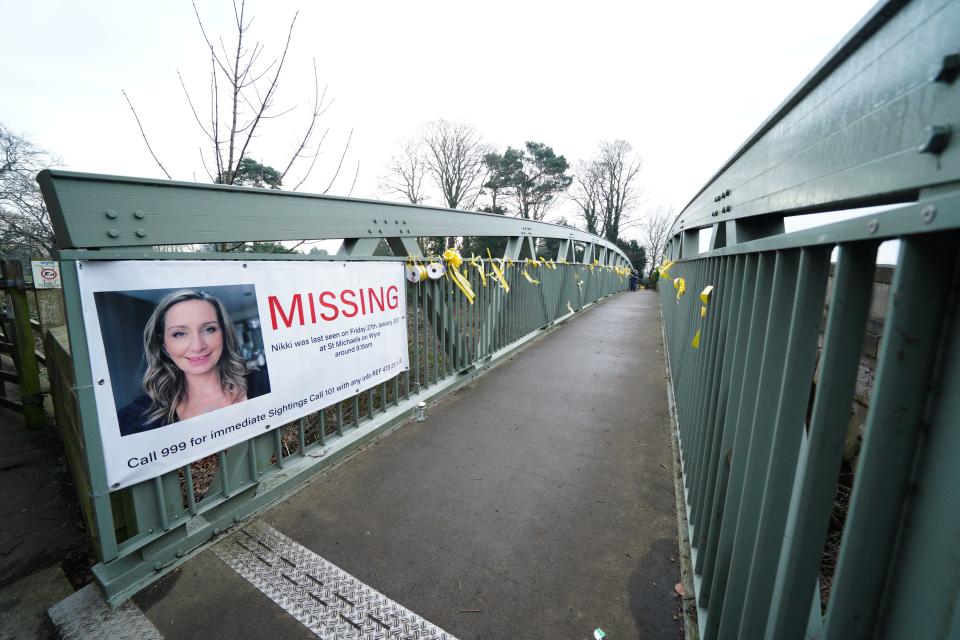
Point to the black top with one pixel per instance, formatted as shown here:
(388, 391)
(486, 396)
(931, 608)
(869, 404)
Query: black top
(133, 417)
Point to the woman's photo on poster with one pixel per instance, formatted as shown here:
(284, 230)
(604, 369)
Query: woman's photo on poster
(174, 354)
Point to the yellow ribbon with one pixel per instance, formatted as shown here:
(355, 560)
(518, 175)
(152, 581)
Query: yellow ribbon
(477, 263)
(569, 307)
(529, 278)
(681, 286)
(705, 299)
(664, 269)
(498, 272)
(453, 259)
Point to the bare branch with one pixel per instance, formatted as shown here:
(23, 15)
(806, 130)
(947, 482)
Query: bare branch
(193, 110)
(270, 90)
(313, 161)
(340, 164)
(143, 133)
(354, 183)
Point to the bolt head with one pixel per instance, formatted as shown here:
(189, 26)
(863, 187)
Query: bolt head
(110, 213)
(936, 138)
(928, 213)
(141, 233)
(872, 226)
(947, 70)
(113, 233)
(138, 214)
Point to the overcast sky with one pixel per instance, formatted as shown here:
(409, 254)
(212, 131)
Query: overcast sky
(684, 82)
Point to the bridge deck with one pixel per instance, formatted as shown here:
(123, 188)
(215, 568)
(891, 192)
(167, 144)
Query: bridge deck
(537, 502)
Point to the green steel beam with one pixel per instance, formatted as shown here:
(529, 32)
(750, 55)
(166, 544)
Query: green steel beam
(102, 212)
(853, 132)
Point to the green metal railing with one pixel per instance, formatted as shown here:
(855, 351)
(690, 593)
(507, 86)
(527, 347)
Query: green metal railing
(146, 530)
(762, 404)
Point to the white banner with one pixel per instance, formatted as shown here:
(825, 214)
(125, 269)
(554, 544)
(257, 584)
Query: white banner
(191, 357)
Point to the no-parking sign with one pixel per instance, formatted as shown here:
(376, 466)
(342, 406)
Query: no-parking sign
(46, 274)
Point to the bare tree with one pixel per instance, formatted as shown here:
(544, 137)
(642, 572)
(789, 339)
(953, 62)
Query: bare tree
(453, 153)
(406, 172)
(242, 98)
(25, 227)
(606, 188)
(654, 234)
(586, 194)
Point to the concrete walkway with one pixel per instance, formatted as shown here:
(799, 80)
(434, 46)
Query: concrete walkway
(537, 502)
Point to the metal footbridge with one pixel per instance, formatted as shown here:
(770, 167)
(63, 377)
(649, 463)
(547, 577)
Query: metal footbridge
(519, 480)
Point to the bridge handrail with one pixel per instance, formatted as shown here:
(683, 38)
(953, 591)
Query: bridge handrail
(870, 126)
(764, 338)
(103, 212)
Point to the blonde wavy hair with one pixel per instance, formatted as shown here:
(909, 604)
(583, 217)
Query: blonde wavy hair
(163, 381)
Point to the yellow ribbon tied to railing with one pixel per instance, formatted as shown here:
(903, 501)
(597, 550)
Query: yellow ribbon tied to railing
(569, 307)
(664, 269)
(705, 299)
(453, 260)
(477, 264)
(498, 272)
(681, 286)
(530, 263)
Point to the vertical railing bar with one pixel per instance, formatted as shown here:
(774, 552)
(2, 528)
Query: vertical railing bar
(302, 436)
(252, 460)
(340, 418)
(416, 335)
(757, 453)
(713, 342)
(747, 286)
(718, 401)
(224, 480)
(926, 269)
(160, 497)
(703, 368)
(188, 481)
(690, 366)
(716, 588)
(794, 394)
(842, 343)
(434, 331)
(278, 446)
(356, 409)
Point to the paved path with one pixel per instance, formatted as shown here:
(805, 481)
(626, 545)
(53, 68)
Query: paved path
(535, 503)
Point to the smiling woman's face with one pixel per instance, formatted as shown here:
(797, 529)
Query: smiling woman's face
(192, 336)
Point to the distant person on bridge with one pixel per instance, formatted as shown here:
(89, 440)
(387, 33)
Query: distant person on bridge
(193, 364)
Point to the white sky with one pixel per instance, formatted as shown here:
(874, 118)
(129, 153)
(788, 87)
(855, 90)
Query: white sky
(684, 82)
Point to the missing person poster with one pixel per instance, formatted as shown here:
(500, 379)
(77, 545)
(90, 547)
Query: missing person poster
(191, 357)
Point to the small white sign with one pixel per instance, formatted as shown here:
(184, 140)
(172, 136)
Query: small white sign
(46, 274)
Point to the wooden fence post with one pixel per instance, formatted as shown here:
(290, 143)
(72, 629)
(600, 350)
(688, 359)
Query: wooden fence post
(23, 346)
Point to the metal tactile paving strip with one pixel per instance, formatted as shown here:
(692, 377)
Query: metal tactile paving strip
(85, 615)
(328, 601)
